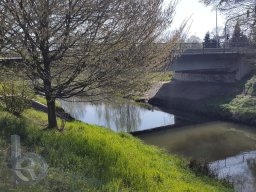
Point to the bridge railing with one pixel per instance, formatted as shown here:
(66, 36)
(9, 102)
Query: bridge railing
(202, 48)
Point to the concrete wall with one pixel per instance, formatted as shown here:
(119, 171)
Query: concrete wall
(243, 69)
(206, 62)
(211, 67)
(200, 77)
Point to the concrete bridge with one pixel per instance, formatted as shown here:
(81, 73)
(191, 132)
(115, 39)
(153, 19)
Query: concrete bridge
(202, 75)
(223, 64)
(197, 63)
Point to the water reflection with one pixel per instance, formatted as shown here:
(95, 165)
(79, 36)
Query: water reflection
(124, 117)
(229, 147)
(209, 141)
(119, 116)
(238, 170)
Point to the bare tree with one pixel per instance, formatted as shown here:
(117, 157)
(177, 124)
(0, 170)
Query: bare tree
(1, 32)
(87, 47)
(242, 10)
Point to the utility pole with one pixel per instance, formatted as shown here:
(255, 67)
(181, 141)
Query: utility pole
(1, 31)
(217, 36)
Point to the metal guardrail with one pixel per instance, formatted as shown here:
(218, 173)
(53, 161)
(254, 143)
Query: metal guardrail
(192, 48)
(200, 48)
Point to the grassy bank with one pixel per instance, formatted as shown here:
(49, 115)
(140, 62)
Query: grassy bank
(91, 158)
(42, 100)
(238, 106)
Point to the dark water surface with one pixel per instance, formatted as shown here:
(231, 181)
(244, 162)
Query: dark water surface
(208, 141)
(229, 148)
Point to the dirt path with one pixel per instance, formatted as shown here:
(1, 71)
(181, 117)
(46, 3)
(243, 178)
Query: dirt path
(59, 111)
(154, 89)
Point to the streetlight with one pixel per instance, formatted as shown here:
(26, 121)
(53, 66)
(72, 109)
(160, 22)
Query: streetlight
(217, 37)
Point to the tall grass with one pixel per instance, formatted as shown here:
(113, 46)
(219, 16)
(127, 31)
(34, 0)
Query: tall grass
(91, 158)
(42, 100)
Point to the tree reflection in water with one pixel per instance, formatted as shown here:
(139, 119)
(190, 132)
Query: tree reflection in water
(119, 115)
(75, 108)
(123, 116)
(126, 117)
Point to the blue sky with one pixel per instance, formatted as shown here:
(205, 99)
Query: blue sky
(203, 18)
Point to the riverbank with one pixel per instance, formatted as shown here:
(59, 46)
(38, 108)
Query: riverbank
(91, 158)
(230, 102)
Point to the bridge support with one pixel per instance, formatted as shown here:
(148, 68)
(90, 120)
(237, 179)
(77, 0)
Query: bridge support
(217, 67)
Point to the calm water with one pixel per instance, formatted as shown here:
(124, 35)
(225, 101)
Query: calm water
(239, 169)
(230, 148)
(124, 116)
(209, 141)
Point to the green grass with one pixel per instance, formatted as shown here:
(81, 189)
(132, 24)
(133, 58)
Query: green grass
(91, 158)
(240, 107)
(250, 86)
(242, 103)
(161, 76)
(42, 100)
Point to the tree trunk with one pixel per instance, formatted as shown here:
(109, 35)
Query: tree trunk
(52, 119)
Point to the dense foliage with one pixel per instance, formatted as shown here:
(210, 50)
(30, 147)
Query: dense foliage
(15, 96)
(210, 42)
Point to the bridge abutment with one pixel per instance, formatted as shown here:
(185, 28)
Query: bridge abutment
(211, 67)
(202, 77)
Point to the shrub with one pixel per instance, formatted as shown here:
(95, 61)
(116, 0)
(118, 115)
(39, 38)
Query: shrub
(15, 96)
(201, 167)
(250, 87)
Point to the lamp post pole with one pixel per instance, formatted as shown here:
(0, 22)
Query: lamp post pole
(217, 36)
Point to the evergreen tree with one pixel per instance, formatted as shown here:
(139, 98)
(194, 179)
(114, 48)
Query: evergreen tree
(207, 40)
(210, 43)
(238, 38)
(253, 36)
(237, 33)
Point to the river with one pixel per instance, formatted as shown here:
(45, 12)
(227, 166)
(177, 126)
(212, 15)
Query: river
(119, 115)
(229, 148)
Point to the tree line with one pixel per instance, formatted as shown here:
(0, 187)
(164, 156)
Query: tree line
(238, 39)
(239, 14)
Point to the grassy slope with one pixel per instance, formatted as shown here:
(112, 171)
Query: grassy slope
(160, 76)
(42, 100)
(240, 108)
(91, 158)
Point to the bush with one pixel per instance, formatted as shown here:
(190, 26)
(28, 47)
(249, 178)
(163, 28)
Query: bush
(250, 87)
(201, 167)
(15, 96)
